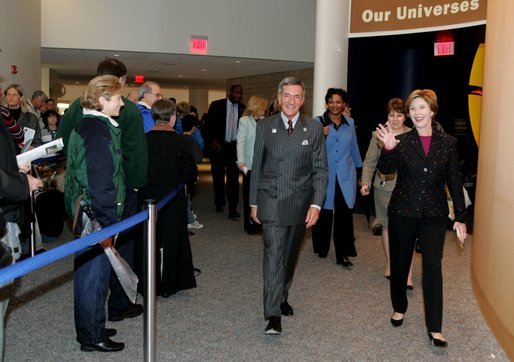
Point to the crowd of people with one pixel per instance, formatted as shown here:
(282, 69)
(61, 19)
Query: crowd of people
(297, 173)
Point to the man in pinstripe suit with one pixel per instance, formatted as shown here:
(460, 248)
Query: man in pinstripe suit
(289, 177)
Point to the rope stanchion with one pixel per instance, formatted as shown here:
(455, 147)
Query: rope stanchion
(26, 266)
(150, 282)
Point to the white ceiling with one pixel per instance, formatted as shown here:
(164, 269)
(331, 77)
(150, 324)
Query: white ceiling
(78, 66)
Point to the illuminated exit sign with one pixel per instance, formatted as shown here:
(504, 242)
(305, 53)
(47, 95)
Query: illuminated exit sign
(444, 48)
(198, 44)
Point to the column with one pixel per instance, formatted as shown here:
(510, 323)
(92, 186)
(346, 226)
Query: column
(331, 50)
(492, 258)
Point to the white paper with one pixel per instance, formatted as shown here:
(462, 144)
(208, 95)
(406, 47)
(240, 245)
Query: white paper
(28, 137)
(41, 151)
(128, 279)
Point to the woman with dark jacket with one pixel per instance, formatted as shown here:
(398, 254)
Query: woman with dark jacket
(94, 174)
(425, 160)
(169, 164)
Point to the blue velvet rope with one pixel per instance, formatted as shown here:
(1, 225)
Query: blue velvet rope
(38, 261)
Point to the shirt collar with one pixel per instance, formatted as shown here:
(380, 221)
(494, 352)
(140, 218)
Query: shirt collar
(144, 104)
(285, 119)
(95, 113)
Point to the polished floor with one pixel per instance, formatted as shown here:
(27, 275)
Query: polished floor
(340, 314)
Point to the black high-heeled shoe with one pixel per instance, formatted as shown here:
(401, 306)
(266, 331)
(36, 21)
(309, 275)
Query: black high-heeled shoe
(396, 322)
(436, 342)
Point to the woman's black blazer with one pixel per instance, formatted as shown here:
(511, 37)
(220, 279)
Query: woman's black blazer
(419, 190)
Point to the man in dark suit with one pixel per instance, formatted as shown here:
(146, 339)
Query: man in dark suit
(289, 177)
(221, 134)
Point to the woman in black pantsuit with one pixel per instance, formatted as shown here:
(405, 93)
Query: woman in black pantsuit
(425, 160)
(169, 164)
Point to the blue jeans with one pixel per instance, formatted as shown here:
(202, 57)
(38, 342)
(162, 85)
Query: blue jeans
(91, 282)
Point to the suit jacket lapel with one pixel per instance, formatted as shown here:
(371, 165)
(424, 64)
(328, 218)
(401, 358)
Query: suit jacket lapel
(415, 142)
(435, 143)
(298, 134)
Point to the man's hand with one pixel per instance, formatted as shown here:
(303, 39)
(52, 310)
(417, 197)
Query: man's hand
(106, 243)
(312, 217)
(253, 214)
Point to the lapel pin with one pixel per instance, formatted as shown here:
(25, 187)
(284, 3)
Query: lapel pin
(274, 130)
(304, 129)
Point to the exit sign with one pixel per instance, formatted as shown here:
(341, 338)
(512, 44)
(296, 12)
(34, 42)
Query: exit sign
(444, 48)
(198, 44)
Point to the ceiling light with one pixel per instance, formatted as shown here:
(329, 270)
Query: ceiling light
(204, 70)
(180, 76)
(237, 61)
(116, 55)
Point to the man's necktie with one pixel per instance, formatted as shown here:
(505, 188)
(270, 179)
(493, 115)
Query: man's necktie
(231, 124)
(290, 128)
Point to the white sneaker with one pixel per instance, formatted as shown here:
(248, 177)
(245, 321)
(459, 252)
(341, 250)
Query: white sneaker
(195, 225)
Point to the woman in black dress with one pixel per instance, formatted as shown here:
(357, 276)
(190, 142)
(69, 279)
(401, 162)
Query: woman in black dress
(169, 164)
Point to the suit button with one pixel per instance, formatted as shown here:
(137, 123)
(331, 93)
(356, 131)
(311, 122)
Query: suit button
(425, 169)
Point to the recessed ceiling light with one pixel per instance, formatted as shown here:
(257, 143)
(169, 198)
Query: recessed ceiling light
(77, 82)
(180, 76)
(116, 55)
(237, 61)
(204, 70)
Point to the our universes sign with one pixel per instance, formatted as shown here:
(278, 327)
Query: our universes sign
(375, 17)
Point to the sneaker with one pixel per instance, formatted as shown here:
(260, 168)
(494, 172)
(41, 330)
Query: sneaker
(195, 225)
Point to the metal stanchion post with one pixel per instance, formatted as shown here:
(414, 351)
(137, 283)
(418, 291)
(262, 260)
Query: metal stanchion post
(150, 288)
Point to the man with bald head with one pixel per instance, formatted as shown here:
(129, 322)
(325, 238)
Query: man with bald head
(149, 93)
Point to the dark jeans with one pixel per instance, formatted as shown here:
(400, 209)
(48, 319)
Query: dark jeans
(402, 238)
(90, 282)
(223, 164)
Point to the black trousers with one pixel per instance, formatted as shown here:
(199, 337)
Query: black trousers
(342, 219)
(402, 238)
(223, 164)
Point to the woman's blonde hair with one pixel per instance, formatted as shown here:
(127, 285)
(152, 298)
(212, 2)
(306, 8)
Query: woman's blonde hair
(255, 104)
(103, 86)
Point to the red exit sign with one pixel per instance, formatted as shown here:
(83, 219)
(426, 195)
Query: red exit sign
(444, 48)
(198, 45)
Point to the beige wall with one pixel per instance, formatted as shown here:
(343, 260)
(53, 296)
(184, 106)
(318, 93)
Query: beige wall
(492, 261)
(20, 43)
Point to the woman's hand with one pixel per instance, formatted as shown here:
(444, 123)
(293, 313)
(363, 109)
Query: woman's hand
(365, 190)
(386, 136)
(460, 228)
(325, 131)
(241, 166)
(24, 166)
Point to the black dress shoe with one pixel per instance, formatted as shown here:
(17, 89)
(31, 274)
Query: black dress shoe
(133, 311)
(234, 215)
(105, 346)
(110, 332)
(286, 309)
(274, 326)
(436, 342)
(219, 209)
(346, 262)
